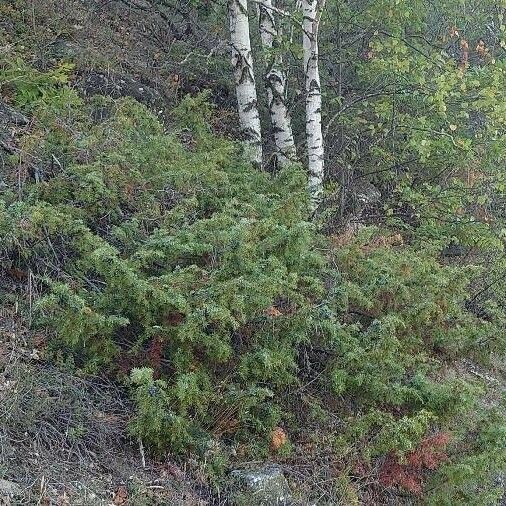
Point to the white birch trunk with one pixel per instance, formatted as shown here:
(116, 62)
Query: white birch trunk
(242, 61)
(275, 81)
(311, 10)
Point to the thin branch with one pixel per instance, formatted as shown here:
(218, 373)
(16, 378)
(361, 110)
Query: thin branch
(349, 105)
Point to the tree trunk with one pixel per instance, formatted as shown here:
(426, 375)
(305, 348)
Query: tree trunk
(275, 81)
(242, 61)
(311, 10)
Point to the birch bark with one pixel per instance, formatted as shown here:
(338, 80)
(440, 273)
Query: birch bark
(311, 10)
(275, 81)
(242, 62)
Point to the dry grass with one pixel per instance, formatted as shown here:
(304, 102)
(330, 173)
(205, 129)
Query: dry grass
(64, 438)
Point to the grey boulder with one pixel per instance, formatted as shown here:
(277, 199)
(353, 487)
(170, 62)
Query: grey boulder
(266, 486)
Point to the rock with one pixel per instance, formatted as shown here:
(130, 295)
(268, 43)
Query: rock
(63, 49)
(10, 117)
(8, 490)
(365, 193)
(262, 487)
(359, 197)
(117, 85)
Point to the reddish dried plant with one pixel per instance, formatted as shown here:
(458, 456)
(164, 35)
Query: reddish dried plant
(155, 353)
(278, 438)
(482, 49)
(464, 58)
(408, 473)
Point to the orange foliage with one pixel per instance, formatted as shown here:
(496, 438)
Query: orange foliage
(278, 438)
(120, 496)
(464, 59)
(408, 474)
(273, 312)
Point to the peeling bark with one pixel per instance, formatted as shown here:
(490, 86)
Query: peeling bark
(275, 82)
(242, 62)
(311, 10)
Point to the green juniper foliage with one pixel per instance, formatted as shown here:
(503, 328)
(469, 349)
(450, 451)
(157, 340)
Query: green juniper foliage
(164, 259)
(149, 242)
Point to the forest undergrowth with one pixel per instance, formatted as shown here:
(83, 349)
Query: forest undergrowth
(191, 304)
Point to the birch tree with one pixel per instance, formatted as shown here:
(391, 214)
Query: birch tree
(311, 10)
(275, 81)
(242, 62)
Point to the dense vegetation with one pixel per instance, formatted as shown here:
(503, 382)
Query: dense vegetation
(158, 255)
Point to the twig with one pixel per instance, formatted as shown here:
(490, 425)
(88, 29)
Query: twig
(143, 457)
